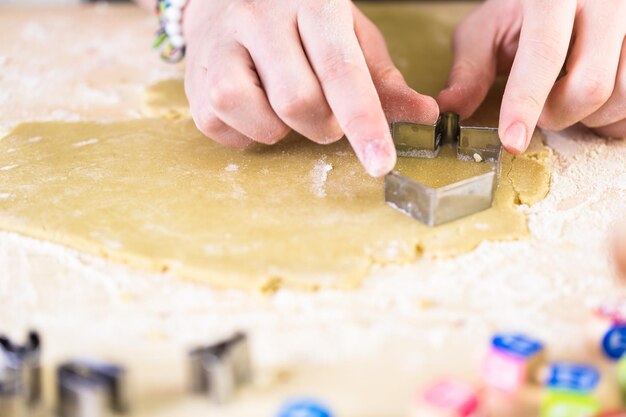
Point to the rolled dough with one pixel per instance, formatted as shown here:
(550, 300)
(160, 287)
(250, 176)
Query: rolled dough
(157, 194)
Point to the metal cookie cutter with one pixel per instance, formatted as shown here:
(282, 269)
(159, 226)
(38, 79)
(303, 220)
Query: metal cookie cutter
(218, 370)
(20, 375)
(91, 389)
(435, 206)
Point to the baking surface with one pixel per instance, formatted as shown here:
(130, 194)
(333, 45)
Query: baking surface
(406, 324)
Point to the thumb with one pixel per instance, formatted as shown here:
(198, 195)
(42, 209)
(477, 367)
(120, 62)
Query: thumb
(399, 101)
(474, 65)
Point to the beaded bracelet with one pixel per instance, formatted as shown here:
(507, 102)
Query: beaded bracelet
(170, 34)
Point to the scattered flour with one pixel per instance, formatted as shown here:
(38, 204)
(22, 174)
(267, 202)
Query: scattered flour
(106, 241)
(319, 175)
(63, 116)
(232, 168)
(8, 167)
(87, 94)
(85, 143)
(4, 96)
(34, 32)
(238, 192)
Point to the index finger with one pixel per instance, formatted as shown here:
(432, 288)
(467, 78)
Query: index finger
(331, 45)
(544, 40)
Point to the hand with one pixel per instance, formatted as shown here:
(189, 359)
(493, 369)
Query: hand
(529, 40)
(256, 69)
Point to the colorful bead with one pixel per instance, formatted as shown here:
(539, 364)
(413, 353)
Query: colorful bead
(573, 377)
(504, 372)
(614, 342)
(568, 404)
(177, 41)
(170, 35)
(173, 28)
(173, 14)
(614, 311)
(516, 344)
(304, 408)
(447, 399)
(511, 361)
(607, 329)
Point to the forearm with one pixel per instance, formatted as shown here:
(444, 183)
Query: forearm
(146, 4)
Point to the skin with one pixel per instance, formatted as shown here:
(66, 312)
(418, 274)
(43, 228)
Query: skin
(335, 76)
(565, 61)
(620, 252)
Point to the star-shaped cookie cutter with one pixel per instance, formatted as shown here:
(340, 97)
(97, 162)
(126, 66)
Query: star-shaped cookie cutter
(435, 206)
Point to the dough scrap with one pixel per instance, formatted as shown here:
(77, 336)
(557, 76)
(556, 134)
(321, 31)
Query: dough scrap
(158, 195)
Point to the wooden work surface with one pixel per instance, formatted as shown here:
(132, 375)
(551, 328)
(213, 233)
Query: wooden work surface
(364, 351)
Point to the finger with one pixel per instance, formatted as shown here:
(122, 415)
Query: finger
(614, 109)
(544, 40)
(327, 32)
(615, 130)
(289, 82)
(196, 89)
(237, 98)
(591, 67)
(400, 102)
(474, 64)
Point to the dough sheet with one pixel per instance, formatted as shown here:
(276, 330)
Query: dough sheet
(158, 195)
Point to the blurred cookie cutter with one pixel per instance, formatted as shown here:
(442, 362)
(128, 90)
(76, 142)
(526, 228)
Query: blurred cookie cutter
(218, 370)
(88, 388)
(20, 375)
(436, 206)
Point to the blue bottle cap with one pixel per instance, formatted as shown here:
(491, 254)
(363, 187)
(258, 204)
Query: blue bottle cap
(304, 407)
(614, 342)
(579, 378)
(516, 344)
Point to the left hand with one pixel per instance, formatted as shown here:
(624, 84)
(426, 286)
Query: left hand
(531, 41)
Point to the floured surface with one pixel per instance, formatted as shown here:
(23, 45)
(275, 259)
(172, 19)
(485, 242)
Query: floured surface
(416, 321)
(159, 195)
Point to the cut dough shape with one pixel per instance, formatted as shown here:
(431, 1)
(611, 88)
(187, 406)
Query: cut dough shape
(157, 194)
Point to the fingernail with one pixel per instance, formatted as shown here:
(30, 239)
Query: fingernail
(378, 158)
(516, 138)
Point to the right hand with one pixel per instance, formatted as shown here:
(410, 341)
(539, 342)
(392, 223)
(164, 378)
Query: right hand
(257, 69)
